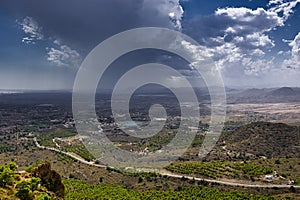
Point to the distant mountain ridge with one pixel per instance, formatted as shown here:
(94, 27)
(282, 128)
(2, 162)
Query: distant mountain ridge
(253, 95)
(267, 95)
(284, 91)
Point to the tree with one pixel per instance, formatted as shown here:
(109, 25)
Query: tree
(7, 176)
(34, 183)
(12, 166)
(43, 197)
(140, 179)
(24, 190)
(277, 162)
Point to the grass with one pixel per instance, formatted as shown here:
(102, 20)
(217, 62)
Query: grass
(80, 150)
(47, 138)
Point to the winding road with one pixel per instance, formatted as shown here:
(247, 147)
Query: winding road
(170, 174)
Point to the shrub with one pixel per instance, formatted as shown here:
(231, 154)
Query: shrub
(43, 197)
(7, 176)
(34, 183)
(24, 191)
(140, 179)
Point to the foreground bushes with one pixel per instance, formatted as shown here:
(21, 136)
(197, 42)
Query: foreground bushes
(80, 190)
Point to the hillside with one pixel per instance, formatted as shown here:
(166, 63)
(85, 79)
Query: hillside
(39, 182)
(42, 183)
(258, 139)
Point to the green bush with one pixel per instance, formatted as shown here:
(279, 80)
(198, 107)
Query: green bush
(7, 175)
(34, 183)
(80, 190)
(24, 190)
(297, 181)
(140, 179)
(43, 197)
(277, 162)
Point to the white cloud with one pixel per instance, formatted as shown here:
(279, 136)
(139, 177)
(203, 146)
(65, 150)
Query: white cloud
(198, 53)
(295, 44)
(234, 33)
(230, 55)
(64, 56)
(284, 8)
(257, 67)
(32, 30)
(271, 2)
(259, 40)
(221, 54)
(250, 16)
(293, 62)
(239, 37)
(280, 52)
(243, 14)
(176, 81)
(247, 27)
(244, 51)
(170, 8)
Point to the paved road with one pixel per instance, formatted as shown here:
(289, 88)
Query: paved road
(229, 183)
(170, 174)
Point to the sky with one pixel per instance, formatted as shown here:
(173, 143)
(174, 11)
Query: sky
(254, 43)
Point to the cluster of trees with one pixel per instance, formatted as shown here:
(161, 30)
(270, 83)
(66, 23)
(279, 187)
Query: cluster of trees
(23, 189)
(80, 190)
(7, 174)
(26, 189)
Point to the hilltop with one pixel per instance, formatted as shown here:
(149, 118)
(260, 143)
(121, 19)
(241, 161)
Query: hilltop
(259, 139)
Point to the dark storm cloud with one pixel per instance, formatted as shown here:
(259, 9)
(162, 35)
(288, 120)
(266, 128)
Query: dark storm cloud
(83, 24)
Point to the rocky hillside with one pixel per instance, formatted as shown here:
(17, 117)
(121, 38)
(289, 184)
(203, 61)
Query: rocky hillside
(258, 139)
(38, 182)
